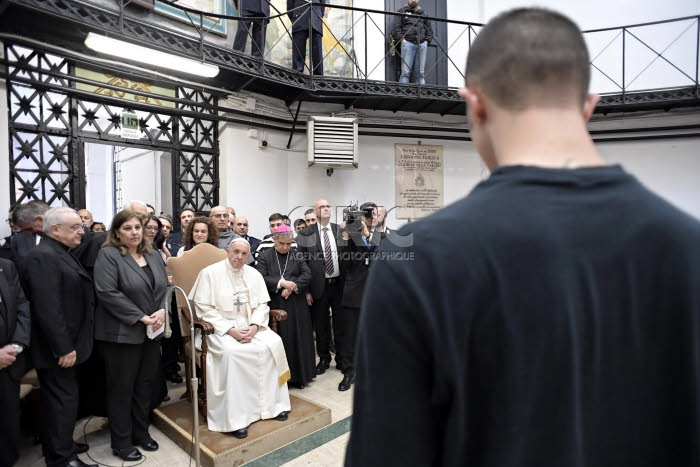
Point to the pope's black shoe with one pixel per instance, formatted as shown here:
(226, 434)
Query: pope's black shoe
(322, 366)
(129, 454)
(80, 448)
(346, 383)
(78, 463)
(240, 434)
(282, 416)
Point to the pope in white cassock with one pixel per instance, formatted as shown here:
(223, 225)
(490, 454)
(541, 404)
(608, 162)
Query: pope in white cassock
(247, 368)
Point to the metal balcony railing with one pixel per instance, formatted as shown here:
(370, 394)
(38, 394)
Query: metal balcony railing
(654, 62)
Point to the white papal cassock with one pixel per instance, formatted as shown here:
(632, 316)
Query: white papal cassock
(245, 382)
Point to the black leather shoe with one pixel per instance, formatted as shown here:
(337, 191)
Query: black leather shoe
(240, 434)
(129, 454)
(148, 444)
(322, 367)
(347, 381)
(282, 416)
(78, 463)
(80, 448)
(174, 377)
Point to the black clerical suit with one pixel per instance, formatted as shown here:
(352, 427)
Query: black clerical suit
(62, 309)
(355, 259)
(304, 20)
(326, 292)
(15, 323)
(256, 13)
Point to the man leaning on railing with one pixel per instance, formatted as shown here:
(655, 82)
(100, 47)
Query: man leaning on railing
(412, 30)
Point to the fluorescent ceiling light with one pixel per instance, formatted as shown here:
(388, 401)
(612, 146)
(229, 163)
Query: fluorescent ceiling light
(142, 54)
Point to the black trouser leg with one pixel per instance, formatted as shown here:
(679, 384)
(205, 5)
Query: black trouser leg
(322, 327)
(346, 333)
(257, 48)
(9, 421)
(59, 408)
(242, 35)
(171, 347)
(132, 372)
(317, 52)
(299, 50)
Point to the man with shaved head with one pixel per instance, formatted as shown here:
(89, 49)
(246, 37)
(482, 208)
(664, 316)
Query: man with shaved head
(319, 245)
(220, 215)
(86, 217)
(563, 326)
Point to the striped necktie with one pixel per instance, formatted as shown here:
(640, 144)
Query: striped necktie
(328, 252)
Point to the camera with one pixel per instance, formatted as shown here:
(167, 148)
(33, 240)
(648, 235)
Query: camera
(352, 216)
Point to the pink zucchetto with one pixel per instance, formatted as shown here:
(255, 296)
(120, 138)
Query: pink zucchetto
(284, 228)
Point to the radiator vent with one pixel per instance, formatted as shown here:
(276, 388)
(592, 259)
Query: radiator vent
(332, 142)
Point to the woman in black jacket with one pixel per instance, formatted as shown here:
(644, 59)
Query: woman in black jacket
(131, 283)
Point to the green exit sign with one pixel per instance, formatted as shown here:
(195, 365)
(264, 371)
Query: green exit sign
(130, 125)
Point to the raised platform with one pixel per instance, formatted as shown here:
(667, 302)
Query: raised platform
(221, 449)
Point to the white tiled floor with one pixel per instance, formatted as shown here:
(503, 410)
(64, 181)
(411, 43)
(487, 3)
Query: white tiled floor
(324, 391)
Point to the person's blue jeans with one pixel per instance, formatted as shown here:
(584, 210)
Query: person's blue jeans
(408, 61)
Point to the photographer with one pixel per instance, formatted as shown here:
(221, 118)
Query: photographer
(355, 258)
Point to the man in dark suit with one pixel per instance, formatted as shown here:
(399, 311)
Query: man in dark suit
(14, 338)
(28, 218)
(356, 256)
(305, 19)
(62, 309)
(240, 226)
(174, 242)
(319, 245)
(259, 10)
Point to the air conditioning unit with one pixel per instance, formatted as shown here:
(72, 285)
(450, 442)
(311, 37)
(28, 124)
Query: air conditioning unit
(332, 142)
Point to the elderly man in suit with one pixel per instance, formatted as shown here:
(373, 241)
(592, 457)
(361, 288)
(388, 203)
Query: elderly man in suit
(253, 20)
(319, 245)
(62, 309)
(305, 19)
(15, 323)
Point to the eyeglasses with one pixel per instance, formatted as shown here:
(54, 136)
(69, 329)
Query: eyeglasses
(327, 206)
(74, 228)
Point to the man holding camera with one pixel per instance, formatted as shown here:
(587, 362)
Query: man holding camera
(355, 258)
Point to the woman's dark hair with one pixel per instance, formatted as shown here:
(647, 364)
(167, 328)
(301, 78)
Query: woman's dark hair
(160, 237)
(212, 237)
(113, 237)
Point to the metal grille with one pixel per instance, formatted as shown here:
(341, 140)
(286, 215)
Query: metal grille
(48, 124)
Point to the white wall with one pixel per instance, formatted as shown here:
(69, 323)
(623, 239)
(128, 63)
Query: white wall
(670, 167)
(259, 182)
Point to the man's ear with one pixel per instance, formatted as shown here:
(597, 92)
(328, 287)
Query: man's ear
(475, 104)
(589, 106)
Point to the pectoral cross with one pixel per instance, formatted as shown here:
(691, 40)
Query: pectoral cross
(238, 303)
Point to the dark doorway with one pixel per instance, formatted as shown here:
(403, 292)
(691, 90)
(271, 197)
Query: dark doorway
(436, 61)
